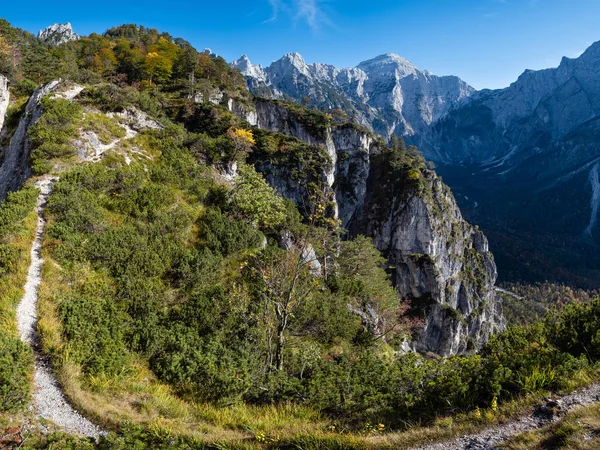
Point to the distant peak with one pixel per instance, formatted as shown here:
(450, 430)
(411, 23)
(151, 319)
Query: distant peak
(242, 61)
(244, 65)
(387, 61)
(294, 58)
(57, 34)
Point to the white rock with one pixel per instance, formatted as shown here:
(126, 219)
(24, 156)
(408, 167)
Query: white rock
(4, 99)
(389, 88)
(58, 34)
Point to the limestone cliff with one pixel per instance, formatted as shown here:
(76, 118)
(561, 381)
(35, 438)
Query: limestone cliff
(15, 167)
(437, 260)
(58, 34)
(4, 99)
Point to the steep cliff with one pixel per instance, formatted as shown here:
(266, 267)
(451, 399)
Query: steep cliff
(58, 34)
(15, 167)
(437, 260)
(4, 99)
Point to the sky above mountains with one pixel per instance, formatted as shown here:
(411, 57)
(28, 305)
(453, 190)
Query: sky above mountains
(488, 43)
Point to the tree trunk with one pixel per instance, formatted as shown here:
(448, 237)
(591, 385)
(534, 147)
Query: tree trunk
(280, 345)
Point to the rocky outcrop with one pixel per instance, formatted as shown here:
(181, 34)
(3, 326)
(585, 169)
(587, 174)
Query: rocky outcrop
(15, 168)
(4, 99)
(387, 94)
(437, 260)
(58, 34)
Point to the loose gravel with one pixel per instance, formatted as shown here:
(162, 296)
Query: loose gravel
(48, 400)
(491, 438)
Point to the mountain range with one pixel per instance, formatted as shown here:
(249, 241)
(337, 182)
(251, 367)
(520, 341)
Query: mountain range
(186, 265)
(522, 161)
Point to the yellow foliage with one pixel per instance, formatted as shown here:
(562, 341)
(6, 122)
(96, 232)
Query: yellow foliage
(242, 136)
(4, 47)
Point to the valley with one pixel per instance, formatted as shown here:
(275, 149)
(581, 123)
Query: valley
(196, 254)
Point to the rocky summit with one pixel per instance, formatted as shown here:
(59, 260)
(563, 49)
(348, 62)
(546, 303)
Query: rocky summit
(58, 34)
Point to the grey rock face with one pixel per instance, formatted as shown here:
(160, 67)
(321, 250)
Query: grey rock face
(524, 160)
(4, 99)
(15, 167)
(439, 261)
(387, 94)
(58, 34)
(540, 107)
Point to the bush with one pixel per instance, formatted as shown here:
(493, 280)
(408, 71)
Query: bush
(16, 362)
(94, 328)
(222, 235)
(51, 135)
(577, 329)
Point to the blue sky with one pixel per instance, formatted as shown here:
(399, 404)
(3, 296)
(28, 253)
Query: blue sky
(488, 43)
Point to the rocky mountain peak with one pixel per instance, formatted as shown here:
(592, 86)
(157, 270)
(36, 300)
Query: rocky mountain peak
(58, 34)
(388, 62)
(593, 51)
(387, 94)
(290, 62)
(245, 66)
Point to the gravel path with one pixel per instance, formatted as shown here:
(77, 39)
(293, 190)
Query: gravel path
(490, 438)
(48, 399)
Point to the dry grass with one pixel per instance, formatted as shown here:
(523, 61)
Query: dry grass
(11, 286)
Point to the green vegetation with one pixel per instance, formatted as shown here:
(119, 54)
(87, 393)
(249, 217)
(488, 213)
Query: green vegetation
(105, 128)
(535, 300)
(159, 270)
(17, 226)
(51, 135)
(183, 310)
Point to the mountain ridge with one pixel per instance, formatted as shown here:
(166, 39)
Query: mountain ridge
(403, 104)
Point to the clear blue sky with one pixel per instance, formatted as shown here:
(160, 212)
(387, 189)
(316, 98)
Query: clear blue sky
(488, 43)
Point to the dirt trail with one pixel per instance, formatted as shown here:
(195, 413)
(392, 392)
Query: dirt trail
(491, 438)
(48, 400)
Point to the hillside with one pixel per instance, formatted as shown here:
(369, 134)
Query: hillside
(189, 266)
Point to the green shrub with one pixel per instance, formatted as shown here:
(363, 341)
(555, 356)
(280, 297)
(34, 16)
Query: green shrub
(94, 328)
(222, 235)
(576, 329)
(50, 136)
(16, 362)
